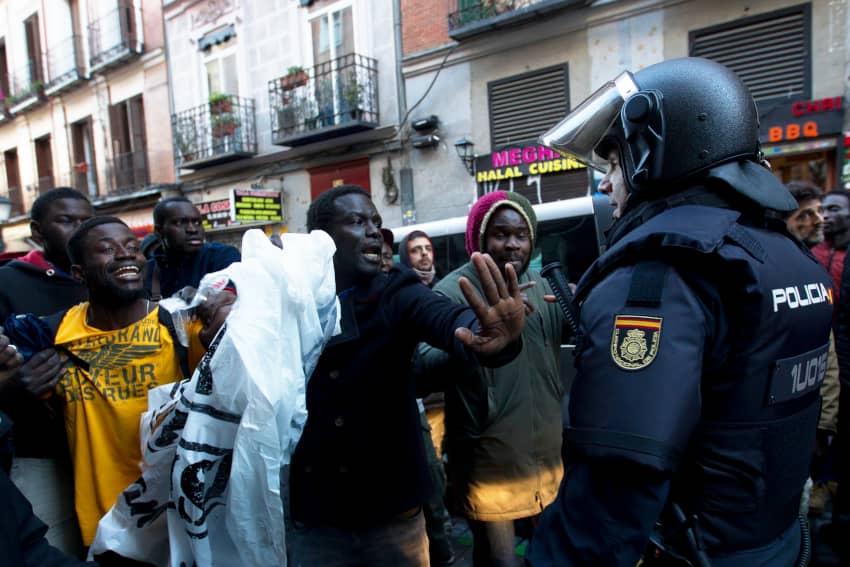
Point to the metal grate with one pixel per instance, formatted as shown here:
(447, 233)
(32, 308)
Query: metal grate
(524, 106)
(770, 52)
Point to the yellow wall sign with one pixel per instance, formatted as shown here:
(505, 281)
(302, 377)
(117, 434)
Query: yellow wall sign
(256, 205)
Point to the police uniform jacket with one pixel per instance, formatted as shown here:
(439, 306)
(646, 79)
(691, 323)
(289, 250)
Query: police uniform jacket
(704, 343)
(360, 460)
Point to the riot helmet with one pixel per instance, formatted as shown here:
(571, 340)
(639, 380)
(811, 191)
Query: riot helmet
(682, 119)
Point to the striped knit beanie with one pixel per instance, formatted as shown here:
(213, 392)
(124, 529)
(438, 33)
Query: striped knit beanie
(482, 211)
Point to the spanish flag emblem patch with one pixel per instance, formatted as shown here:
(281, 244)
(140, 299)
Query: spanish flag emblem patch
(635, 341)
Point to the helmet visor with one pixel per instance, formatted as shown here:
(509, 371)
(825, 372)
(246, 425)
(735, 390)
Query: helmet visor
(583, 128)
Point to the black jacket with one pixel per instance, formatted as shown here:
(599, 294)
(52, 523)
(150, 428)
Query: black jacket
(22, 542)
(188, 271)
(28, 288)
(360, 460)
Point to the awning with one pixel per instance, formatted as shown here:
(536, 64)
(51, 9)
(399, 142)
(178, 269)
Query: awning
(216, 36)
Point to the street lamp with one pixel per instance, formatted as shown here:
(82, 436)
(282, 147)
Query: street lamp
(5, 213)
(466, 152)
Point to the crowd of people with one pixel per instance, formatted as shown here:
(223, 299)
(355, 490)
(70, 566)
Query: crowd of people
(712, 356)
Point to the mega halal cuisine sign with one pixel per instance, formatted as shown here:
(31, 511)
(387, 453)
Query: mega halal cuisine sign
(538, 172)
(522, 161)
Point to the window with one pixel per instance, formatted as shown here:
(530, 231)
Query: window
(220, 68)
(4, 72)
(44, 163)
(13, 180)
(85, 174)
(33, 45)
(524, 106)
(333, 35)
(770, 52)
(129, 144)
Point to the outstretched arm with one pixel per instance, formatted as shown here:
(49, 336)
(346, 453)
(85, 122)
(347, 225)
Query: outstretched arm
(500, 313)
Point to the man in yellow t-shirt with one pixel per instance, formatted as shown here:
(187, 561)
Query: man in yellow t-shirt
(107, 354)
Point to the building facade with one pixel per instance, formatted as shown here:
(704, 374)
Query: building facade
(84, 95)
(498, 73)
(274, 102)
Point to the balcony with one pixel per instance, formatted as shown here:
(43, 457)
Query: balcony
(27, 88)
(16, 196)
(219, 131)
(114, 38)
(470, 18)
(64, 65)
(128, 173)
(332, 99)
(45, 183)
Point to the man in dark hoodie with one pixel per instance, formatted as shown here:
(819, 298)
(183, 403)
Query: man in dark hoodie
(40, 283)
(417, 253)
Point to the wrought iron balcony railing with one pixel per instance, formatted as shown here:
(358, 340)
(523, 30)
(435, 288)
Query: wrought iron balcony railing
(16, 196)
(470, 17)
(115, 36)
(128, 172)
(333, 98)
(223, 129)
(27, 86)
(45, 183)
(64, 64)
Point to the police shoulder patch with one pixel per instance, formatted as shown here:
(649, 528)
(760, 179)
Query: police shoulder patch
(635, 340)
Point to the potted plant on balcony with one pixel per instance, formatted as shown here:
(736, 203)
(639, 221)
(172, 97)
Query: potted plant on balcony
(353, 95)
(224, 124)
(185, 143)
(37, 90)
(220, 103)
(295, 77)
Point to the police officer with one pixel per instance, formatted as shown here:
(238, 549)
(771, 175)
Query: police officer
(705, 333)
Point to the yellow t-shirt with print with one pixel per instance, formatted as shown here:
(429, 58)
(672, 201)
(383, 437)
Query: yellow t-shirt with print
(103, 405)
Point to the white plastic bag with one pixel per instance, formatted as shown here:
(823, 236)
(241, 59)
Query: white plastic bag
(214, 445)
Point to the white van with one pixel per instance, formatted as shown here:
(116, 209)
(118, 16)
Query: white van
(574, 229)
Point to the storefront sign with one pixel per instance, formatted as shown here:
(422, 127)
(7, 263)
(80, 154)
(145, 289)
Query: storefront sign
(801, 119)
(538, 172)
(215, 214)
(256, 205)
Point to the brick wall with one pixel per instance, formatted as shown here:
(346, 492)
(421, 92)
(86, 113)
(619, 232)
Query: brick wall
(425, 24)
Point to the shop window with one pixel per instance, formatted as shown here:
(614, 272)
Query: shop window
(770, 52)
(523, 107)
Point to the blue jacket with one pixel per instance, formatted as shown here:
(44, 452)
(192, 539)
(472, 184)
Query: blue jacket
(188, 270)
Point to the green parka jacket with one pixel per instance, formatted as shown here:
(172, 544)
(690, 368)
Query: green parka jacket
(503, 425)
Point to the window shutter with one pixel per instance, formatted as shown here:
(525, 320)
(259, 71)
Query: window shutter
(524, 106)
(770, 53)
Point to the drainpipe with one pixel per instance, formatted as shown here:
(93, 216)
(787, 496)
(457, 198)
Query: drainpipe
(170, 77)
(399, 76)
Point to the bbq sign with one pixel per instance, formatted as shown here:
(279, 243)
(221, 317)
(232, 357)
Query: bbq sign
(801, 119)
